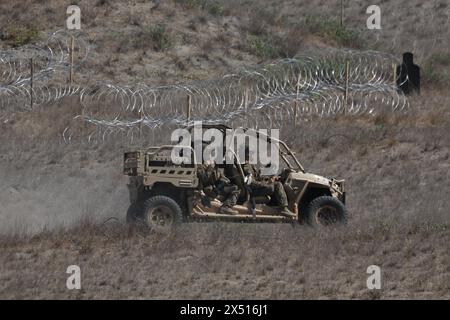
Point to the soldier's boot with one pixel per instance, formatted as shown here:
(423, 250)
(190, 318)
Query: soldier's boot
(206, 201)
(227, 210)
(287, 213)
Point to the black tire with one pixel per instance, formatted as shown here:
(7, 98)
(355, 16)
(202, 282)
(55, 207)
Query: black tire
(162, 213)
(135, 213)
(326, 211)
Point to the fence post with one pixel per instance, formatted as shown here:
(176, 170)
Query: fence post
(82, 131)
(295, 112)
(394, 69)
(83, 123)
(31, 83)
(188, 109)
(72, 40)
(246, 100)
(140, 124)
(296, 101)
(342, 13)
(347, 71)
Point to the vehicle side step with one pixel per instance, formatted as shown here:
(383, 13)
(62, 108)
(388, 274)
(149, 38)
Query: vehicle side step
(238, 216)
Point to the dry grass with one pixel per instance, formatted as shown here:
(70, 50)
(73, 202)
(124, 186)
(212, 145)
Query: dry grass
(228, 261)
(396, 167)
(397, 170)
(255, 30)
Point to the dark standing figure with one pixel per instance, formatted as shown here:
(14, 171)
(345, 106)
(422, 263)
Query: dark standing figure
(408, 75)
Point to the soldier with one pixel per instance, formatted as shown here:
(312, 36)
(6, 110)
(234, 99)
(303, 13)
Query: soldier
(214, 183)
(258, 188)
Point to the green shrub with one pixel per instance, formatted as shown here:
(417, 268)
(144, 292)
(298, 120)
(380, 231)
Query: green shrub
(159, 36)
(19, 36)
(265, 46)
(440, 58)
(214, 7)
(436, 69)
(434, 76)
(331, 28)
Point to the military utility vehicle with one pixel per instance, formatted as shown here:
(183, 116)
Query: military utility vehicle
(164, 194)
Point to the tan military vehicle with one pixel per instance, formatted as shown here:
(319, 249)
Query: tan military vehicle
(163, 194)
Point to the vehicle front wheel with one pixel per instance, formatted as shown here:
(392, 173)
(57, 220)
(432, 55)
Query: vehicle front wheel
(326, 211)
(162, 213)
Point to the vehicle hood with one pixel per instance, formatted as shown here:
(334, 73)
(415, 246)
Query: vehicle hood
(312, 178)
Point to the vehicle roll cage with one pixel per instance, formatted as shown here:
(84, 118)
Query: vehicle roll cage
(284, 151)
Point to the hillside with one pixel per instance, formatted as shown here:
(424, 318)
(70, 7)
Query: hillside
(55, 195)
(134, 41)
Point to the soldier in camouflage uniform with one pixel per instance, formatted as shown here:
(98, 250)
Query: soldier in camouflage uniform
(214, 184)
(259, 188)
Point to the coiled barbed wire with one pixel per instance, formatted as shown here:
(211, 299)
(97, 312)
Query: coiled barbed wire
(314, 84)
(50, 63)
(268, 96)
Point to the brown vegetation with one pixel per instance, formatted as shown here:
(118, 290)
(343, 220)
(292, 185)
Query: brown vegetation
(55, 196)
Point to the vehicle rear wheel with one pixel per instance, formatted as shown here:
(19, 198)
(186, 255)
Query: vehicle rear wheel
(326, 211)
(135, 213)
(162, 213)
